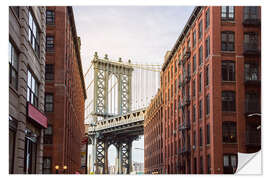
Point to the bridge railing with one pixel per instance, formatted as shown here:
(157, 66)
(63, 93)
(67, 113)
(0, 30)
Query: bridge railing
(128, 118)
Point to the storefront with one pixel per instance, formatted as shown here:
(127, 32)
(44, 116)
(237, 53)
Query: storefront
(33, 136)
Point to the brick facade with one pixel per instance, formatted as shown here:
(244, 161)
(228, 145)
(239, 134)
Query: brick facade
(195, 118)
(68, 91)
(21, 128)
(153, 141)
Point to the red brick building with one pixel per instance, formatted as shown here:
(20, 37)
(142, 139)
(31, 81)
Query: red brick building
(64, 93)
(211, 90)
(153, 141)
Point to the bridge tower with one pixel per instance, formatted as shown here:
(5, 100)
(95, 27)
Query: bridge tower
(103, 69)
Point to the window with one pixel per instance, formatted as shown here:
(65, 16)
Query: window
(252, 102)
(208, 164)
(194, 88)
(200, 82)
(229, 132)
(49, 43)
(207, 104)
(207, 134)
(201, 165)
(47, 165)
(207, 75)
(194, 113)
(201, 137)
(30, 153)
(200, 29)
(188, 69)
(227, 41)
(12, 141)
(13, 66)
(48, 135)
(194, 139)
(229, 163)
(228, 70)
(194, 38)
(49, 17)
(49, 72)
(195, 166)
(251, 41)
(188, 44)
(48, 102)
(207, 19)
(32, 89)
(33, 33)
(207, 47)
(228, 101)
(194, 63)
(175, 67)
(250, 12)
(200, 56)
(227, 13)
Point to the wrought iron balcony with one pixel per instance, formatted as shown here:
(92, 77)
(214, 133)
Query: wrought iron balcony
(184, 126)
(186, 101)
(186, 55)
(185, 150)
(253, 138)
(179, 84)
(251, 21)
(187, 78)
(251, 48)
(252, 106)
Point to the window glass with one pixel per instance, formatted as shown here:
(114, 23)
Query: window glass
(225, 160)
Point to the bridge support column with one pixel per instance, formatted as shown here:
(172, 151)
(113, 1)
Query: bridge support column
(130, 157)
(106, 165)
(119, 159)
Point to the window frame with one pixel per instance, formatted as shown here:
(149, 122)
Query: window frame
(48, 137)
(207, 47)
(207, 75)
(200, 55)
(228, 105)
(49, 103)
(13, 59)
(32, 92)
(248, 13)
(207, 18)
(200, 29)
(51, 17)
(227, 13)
(207, 104)
(50, 43)
(229, 132)
(225, 44)
(47, 168)
(194, 64)
(33, 33)
(228, 66)
(49, 72)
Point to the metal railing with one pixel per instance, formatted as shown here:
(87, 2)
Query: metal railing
(252, 106)
(251, 48)
(253, 138)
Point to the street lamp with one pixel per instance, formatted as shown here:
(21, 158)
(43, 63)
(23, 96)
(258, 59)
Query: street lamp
(65, 168)
(57, 169)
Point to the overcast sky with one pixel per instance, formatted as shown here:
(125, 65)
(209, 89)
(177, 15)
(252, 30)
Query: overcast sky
(140, 33)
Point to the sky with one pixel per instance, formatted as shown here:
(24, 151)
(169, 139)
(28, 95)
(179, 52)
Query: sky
(140, 33)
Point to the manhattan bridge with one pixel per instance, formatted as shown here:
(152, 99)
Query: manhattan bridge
(118, 95)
